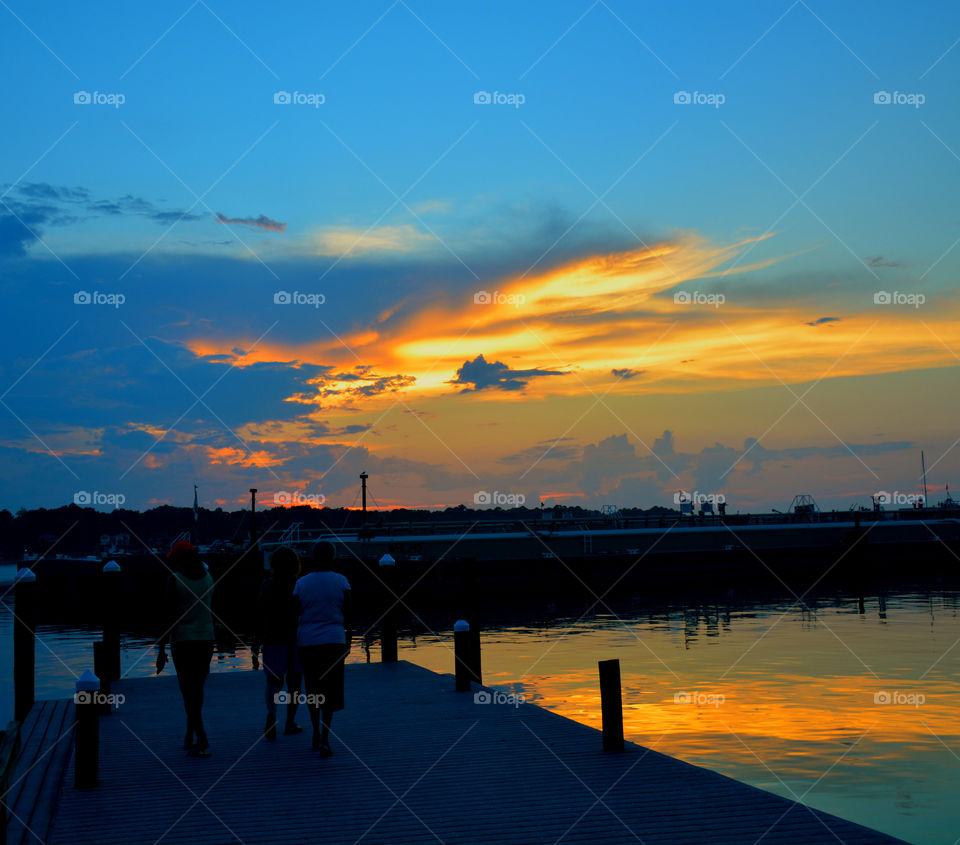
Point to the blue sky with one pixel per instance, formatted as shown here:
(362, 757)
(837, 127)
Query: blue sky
(791, 192)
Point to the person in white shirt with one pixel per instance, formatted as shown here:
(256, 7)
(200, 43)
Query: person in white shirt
(324, 637)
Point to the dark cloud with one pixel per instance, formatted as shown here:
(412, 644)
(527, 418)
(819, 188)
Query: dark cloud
(626, 373)
(261, 222)
(43, 191)
(19, 230)
(882, 261)
(142, 207)
(37, 203)
(479, 374)
(821, 320)
(563, 448)
(356, 428)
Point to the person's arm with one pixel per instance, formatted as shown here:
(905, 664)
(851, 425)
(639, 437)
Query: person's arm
(259, 627)
(348, 618)
(168, 620)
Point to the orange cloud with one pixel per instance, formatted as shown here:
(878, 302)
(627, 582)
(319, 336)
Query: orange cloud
(652, 311)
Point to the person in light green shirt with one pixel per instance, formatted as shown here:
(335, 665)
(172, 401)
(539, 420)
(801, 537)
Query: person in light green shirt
(188, 625)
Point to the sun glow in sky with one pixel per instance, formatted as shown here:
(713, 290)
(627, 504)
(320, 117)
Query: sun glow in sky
(712, 248)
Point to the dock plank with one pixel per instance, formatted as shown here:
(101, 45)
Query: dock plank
(414, 762)
(47, 743)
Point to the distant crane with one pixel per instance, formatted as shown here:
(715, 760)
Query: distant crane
(804, 506)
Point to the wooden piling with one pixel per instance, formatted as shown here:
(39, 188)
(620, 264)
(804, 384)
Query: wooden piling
(24, 643)
(466, 655)
(86, 765)
(388, 624)
(112, 615)
(611, 705)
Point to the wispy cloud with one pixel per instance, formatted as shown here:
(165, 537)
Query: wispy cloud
(260, 222)
(343, 241)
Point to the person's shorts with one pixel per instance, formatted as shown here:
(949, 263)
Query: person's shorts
(323, 672)
(280, 660)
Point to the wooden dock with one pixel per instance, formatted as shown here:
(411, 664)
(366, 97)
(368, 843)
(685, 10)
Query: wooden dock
(413, 761)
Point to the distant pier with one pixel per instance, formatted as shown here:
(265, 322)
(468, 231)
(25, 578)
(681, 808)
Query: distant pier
(414, 761)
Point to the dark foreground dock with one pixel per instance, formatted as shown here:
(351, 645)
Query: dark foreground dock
(413, 761)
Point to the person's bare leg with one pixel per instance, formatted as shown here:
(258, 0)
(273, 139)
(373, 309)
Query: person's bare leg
(294, 680)
(325, 735)
(314, 710)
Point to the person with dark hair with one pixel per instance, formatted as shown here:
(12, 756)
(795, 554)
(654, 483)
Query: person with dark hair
(277, 611)
(188, 625)
(323, 639)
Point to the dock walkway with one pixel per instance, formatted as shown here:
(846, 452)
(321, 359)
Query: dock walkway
(413, 761)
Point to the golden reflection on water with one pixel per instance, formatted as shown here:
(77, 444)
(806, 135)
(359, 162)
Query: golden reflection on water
(853, 713)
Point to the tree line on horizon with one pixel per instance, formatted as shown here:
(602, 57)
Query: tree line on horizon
(78, 531)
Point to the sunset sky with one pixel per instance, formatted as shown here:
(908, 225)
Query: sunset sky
(586, 253)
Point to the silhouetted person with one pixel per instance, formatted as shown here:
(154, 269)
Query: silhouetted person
(188, 625)
(277, 611)
(323, 639)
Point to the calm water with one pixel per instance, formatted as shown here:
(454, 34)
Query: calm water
(854, 713)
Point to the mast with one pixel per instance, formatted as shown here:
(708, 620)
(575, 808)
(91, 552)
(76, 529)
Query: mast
(253, 517)
(923, 466)
(363, 496)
